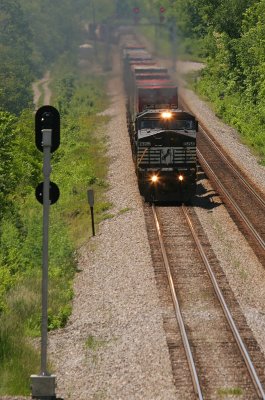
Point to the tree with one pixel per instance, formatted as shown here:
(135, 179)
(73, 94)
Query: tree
(15, 67)
(7, 173)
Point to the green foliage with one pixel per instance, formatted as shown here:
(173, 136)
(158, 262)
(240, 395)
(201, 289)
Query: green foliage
(8, 178)
(82, 152)
(27, 158)
(79, 163)
(93, 343)
(234, 77)
(54, 26)
(32, 36)
(15, 66)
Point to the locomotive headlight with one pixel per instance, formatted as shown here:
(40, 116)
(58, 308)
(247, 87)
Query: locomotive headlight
(154, 178)
(166, 114)
(181, 178)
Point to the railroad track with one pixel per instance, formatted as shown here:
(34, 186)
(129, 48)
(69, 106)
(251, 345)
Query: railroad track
(215, 362)
(243, 198)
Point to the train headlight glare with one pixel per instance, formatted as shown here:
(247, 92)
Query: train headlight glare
(154, 178)
(166, 115)
(181, 178)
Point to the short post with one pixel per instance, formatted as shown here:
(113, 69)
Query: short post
(90, 197)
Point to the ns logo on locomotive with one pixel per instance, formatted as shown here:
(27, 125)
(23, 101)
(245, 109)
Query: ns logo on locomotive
(163, 137)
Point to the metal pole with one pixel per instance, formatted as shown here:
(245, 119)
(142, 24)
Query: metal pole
(47, 139)
(90, 197)
(92, 219)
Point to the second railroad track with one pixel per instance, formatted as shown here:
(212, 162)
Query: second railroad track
(213, 352)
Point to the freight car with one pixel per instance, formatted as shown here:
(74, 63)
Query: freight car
(163, 137)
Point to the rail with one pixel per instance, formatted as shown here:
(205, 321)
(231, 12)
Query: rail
(242, 179)
(184, 336)
(232, 202)
(242, 348)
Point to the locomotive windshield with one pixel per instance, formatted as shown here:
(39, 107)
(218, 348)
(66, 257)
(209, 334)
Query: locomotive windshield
(169, 124)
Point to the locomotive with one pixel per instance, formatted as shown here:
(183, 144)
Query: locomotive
(163, 137)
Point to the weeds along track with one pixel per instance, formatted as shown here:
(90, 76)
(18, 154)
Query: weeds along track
(219, 344)
(243, 199)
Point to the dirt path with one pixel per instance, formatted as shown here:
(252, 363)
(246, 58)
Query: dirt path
(42, 86)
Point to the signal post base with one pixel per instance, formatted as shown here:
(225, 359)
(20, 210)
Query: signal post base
(43, 387)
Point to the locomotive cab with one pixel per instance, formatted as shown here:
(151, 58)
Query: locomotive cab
(165, 146)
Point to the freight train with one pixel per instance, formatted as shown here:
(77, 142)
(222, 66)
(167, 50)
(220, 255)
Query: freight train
(163, 137)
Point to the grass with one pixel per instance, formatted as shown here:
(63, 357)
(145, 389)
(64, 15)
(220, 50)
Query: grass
(107, 216)
(224, 392)
(18, 358)
(14, 374)
(124, 210)
(242, 272)
(93, 343)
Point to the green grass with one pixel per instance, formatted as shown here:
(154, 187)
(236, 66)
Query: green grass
(124, 210)
(224, 392)
(93, 343)
(18, 358)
